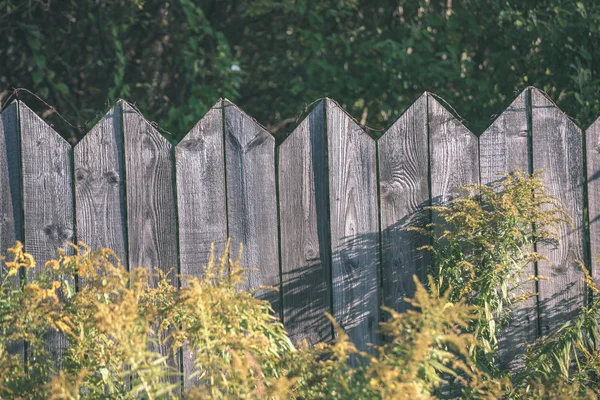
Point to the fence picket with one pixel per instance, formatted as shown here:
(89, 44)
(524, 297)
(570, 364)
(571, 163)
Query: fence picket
(251, 199)
(99, 186)
(503, 149)
(557, 149)
(201, 203)
(306, 261)
(47, 200)
(404, 192)
(152, 222)
(454, 155)
(11, 212)
(354, 227)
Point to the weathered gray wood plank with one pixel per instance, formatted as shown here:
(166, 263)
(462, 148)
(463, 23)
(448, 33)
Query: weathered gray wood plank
(354, 227)
(11, 212)
(305, 250)
(201, 201)
(557, 149)
(593, 176)
(454, 156)
(201, 192)
(503, 146)
(151, 212)
(47, 199)
(100, 186)
(503, 149)
(251, 199)
(404, 191)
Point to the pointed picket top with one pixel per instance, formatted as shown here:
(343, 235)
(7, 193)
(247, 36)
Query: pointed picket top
(420, 102)
(540, 100)
(316, 111)
(27, 113)
(305, 251)
(404, 192)
(454, 153)
(352, 158)
(200, 170)
(441, 112)
(194, 139)
(132, 116)
(557, 148)
(504, 146)
(99, 185)
(110, 117)
(244, 132)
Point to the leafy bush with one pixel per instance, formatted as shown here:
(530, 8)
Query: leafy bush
(116, 323)
(125, 335)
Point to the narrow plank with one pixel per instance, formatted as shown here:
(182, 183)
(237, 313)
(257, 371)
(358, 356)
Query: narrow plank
(404, 192)
(557, 149)
(503, 149)
(354, 227)
(11, 213)
(454, 155)
(251, 199)
(47, 200)
(305, 251)
(151, 212)
(100, 186)
(201, 203)
(201, 192)
(592, 137)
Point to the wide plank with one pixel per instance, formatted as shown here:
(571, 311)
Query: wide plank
(47, 200)
(201, 200)
(151, 206)
(354, 227)
(252, 201)
(11, 212)
(557, 149)
(454, 155)
(305, 255)
(404, 192)
(503, 149)
(201, 203)
(100, 186)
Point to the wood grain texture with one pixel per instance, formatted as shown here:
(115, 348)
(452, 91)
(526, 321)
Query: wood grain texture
(201, 202)
(404, 191)
(201, 192)
(100, 186)
(151, 212)
(305, 255)
(354, 227)
(11, 213)
(503, 149)
(592, 138)
(557, 149)
(503, 146)
(251, 199)
(47, 200)
(454, 155)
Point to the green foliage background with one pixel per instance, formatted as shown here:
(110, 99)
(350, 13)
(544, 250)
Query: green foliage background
(174, 58)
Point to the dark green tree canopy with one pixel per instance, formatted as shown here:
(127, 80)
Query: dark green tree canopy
(174, 59)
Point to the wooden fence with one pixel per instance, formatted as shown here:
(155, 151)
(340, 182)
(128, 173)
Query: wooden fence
(323, 215)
